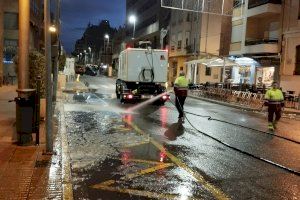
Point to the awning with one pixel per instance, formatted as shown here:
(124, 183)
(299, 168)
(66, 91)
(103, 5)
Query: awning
(214, 62)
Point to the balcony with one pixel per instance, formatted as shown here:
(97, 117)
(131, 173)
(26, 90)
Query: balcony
(264, 8)
(189, 49)
(261, 41)
(255, 3)
(261, 46)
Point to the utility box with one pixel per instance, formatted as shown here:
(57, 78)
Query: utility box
(143, 65)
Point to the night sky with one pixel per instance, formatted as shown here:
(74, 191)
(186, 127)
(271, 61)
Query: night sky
(76, 14)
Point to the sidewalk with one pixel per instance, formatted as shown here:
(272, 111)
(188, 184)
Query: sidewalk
(25, 172)
(288, 111)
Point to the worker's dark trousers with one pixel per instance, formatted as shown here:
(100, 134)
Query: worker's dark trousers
(274, 109)
(179, 104)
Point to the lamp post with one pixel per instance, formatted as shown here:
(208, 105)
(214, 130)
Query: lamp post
(106, 36)
(132, 20)
(90, 54)
(84, 51)
(49, 137)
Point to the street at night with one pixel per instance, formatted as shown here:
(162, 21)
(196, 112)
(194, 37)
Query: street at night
(150, 99)
(117, 152)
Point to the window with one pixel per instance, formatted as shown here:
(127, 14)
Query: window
(179, 40)
(186, 42)
(188, 17)
(187, 38)
(174, 69)
(10, 49)
(180, 17)
(207, 71)
(11, 21)
(34, 7)
(179, 44)
(297, 64)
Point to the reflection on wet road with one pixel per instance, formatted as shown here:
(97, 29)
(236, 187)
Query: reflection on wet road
(147, 155)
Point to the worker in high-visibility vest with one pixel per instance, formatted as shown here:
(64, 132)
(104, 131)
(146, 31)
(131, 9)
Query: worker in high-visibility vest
(275, 102)
(180, 89)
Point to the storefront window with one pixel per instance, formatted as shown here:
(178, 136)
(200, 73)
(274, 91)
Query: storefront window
(264, 76)
(10, 50)
(245, 74)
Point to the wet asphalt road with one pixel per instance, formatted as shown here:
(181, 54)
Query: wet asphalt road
(145, 154)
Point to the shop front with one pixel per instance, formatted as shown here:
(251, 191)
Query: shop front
(244, 73)
(264, 76)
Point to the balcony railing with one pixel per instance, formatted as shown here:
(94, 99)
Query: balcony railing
(261, 41)
(255, 3)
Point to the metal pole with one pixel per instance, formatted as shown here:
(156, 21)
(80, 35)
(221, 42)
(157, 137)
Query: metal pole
(224, 69)
(133, 35)
(56, 61)
(24, 25)
(1, 40)
(49, 139)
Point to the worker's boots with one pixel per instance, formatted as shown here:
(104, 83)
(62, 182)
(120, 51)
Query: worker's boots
(275, 124)
(271, 126)
(181, 120)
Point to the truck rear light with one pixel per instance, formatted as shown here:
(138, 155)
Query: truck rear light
(165, 97)
(130, 96)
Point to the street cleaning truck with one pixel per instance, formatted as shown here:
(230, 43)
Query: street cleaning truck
(142, 74)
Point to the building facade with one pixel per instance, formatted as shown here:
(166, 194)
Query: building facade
(151, 18)
(256, 39)
(290, 65)
(9, 19)
(195, 36)
(94, 47)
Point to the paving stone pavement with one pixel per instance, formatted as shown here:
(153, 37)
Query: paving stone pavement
(26, 172)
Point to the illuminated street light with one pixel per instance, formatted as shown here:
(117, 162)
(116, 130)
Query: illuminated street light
(132, 20)
(52, 29)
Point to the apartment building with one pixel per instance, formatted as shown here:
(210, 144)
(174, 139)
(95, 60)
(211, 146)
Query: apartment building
(290, 65)
(256, 40)
(151, 18)
(195, 36)
(9, 19)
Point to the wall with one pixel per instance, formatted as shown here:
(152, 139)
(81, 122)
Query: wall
(214, 78)
(291, 38)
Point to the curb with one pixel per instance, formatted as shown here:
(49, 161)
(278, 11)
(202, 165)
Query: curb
(237, 106)
(67, 185)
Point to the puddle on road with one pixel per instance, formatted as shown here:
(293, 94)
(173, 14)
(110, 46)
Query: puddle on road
(111, 161)
(87, 98)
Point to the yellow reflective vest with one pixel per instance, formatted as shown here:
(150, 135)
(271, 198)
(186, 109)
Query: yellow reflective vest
(181, 82)
(181, 86)
(274, 96)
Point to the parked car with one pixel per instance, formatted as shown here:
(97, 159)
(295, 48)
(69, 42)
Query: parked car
(80, 69)
(90, 71)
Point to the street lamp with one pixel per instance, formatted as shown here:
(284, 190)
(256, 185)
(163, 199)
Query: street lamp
(52, 29)
(132, 20)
